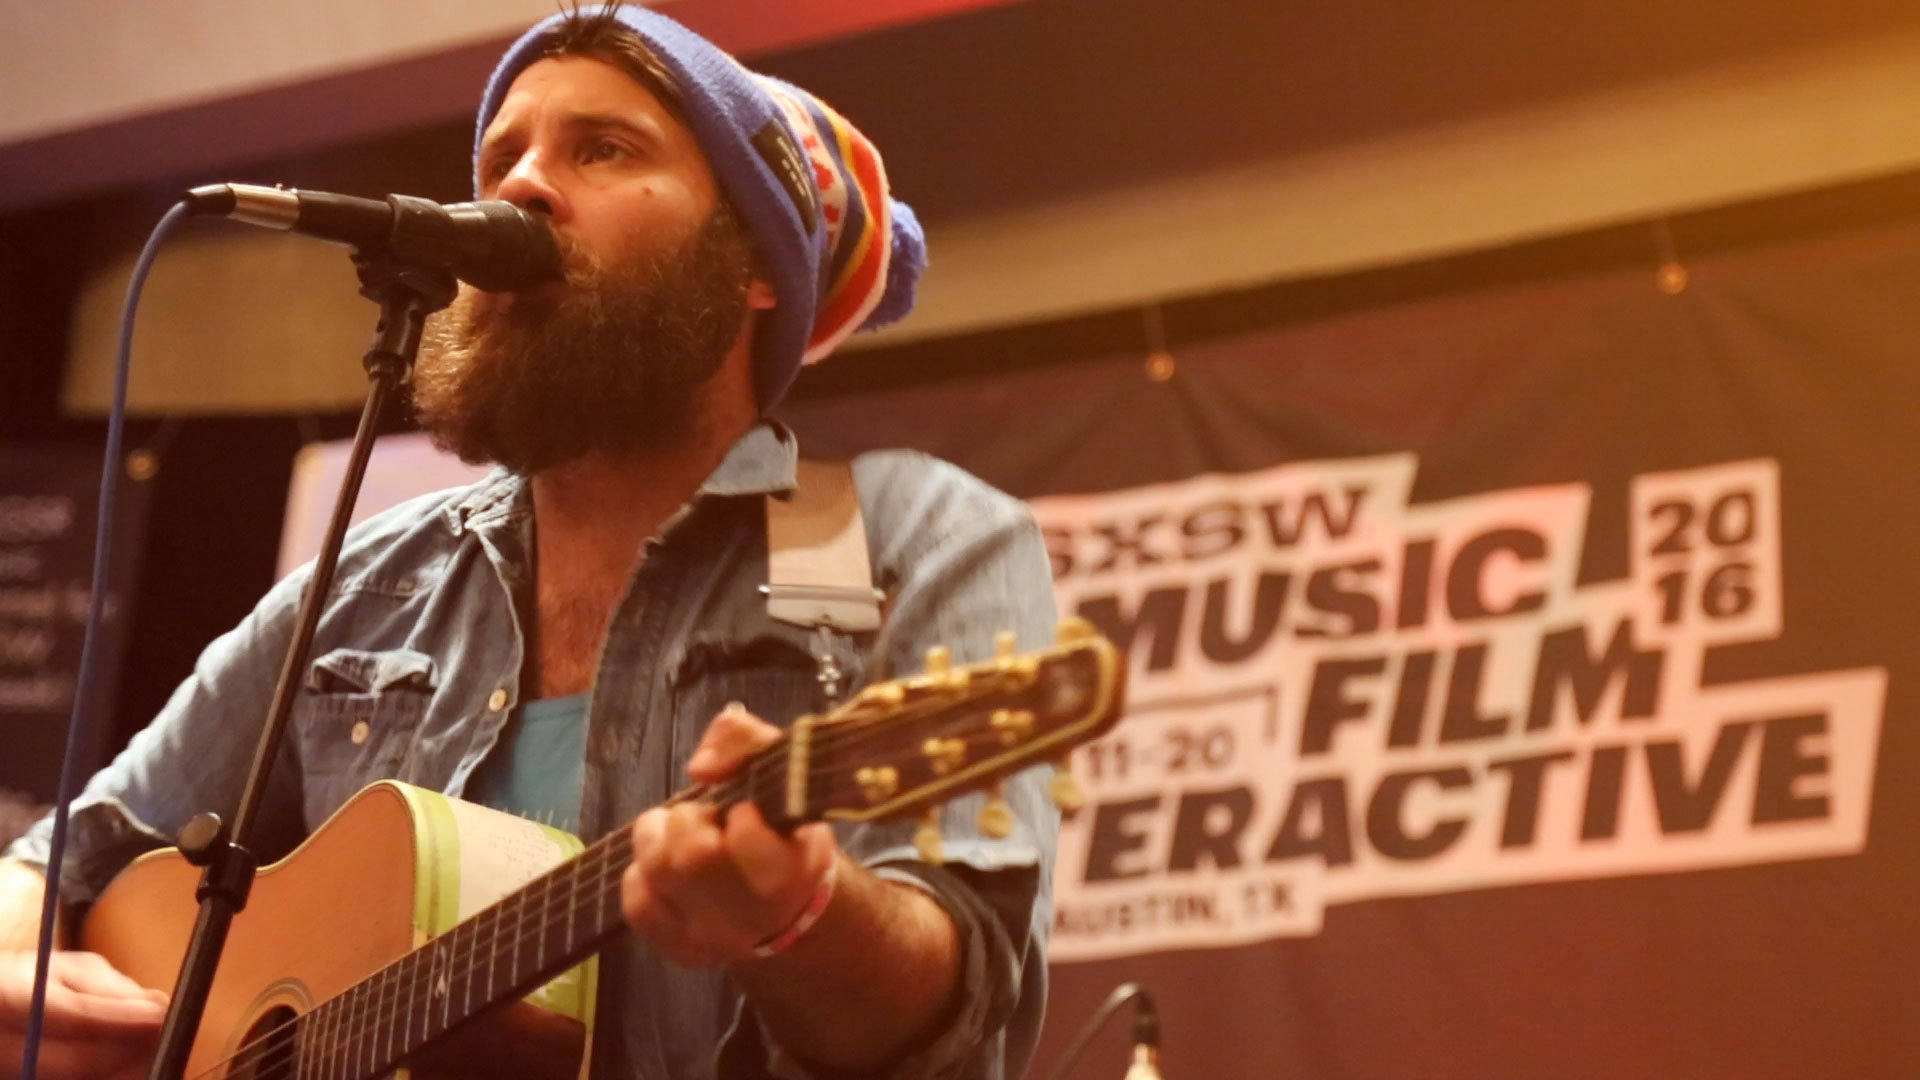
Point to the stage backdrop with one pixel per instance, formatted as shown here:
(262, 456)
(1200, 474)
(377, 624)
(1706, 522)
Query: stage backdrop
(1523, 682)
(49, 510)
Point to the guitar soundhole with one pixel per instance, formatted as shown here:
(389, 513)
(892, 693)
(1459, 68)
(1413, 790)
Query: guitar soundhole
(268, 1051)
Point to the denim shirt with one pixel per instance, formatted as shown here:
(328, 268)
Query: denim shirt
(421, 641)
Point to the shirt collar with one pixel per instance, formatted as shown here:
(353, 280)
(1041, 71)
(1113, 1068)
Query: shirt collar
(763, 462)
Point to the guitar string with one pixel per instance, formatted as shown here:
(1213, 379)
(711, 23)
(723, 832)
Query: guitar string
(727, 792)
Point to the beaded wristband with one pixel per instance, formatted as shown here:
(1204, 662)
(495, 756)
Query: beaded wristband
(804, 921)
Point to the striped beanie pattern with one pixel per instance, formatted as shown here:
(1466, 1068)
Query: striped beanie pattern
(842, 254)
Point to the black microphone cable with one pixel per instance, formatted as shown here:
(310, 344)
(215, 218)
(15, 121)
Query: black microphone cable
(1146, 1026)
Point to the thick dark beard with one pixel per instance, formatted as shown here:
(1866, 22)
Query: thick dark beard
(615, 364)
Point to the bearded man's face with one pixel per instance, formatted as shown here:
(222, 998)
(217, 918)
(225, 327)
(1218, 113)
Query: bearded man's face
(615, 363)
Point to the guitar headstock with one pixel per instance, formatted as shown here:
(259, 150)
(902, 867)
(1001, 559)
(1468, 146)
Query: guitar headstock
(902, 748)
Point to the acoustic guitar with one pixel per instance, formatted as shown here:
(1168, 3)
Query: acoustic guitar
(415, 931)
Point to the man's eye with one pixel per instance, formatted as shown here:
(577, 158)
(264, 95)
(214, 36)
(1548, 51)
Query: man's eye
(604, 150)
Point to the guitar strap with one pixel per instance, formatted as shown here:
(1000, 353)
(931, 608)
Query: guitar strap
(819, 575)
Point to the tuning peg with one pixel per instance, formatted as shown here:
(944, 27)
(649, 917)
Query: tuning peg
(996, 818)
(1014, 726)
(1004, 645)
(926, 839)
(945, 755)
(878, 783)
(1074, 628)
(939, 660)
(887, 695)
(1066, 790)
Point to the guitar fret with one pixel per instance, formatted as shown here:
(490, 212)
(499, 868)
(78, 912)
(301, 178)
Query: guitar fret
(356, 1009)
(382, 1010)
(306, 1066)
(519, 921)
(560, 930)
(545, 882)
(400, 1016)
(330, 1045)
(601, 921)
(309, 1043)
(426, 993)
(493, 954)
(440, 988)
(371, 1025)
(466, 976)
(456, 961)
(413, 990)
(619, 856)
(352, 1062)
(427, 954)
(299, 1052)
(400, 1037)
(573, 900)
(362, 1051)
(343, 1034)
(483, 991)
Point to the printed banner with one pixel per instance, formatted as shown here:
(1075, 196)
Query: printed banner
(1339, 696)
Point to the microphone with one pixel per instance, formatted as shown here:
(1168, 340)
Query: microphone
(494, 245)
(1146, 1038)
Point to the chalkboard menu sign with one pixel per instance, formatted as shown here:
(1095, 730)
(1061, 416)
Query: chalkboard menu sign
(48, 512)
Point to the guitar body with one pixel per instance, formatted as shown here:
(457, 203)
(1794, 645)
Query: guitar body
(394, 867)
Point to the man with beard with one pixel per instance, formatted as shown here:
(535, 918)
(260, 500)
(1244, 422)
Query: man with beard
(585, 631)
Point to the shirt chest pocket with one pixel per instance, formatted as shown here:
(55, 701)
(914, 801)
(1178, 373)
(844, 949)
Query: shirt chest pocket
(356, 720)
(775, 676)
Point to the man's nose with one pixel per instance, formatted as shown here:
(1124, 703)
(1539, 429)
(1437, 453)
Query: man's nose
(530, 187)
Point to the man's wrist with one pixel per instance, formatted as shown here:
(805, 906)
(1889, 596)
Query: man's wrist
(803, 922)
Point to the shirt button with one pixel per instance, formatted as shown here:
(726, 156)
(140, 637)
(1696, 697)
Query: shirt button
(497, 700)
(361, 729)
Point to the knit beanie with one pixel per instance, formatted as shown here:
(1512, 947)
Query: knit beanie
(841, 253)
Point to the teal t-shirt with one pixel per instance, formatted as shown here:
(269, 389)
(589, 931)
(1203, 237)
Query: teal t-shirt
(537, 767)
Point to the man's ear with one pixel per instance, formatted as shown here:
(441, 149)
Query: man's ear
(760, 295)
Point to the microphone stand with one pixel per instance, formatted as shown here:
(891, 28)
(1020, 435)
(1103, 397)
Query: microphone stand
(407, 294)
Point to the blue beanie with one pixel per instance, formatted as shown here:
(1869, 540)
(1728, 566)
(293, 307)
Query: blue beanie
(842, 254)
